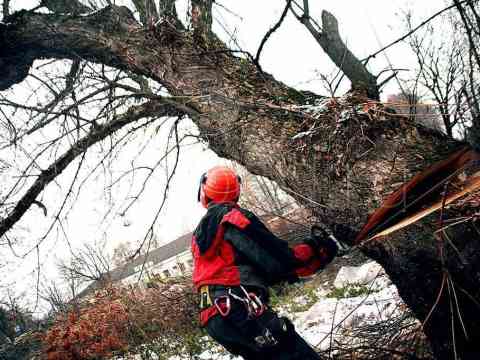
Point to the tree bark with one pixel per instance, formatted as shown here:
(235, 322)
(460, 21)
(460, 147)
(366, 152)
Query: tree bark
(65, 6)
(347, 160)
(147, 10)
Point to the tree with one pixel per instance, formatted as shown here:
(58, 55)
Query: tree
(57, 299)
(122, 253)
(442, 69)
(468, 15)
(14, 321)
(346, 161)
(87, 264)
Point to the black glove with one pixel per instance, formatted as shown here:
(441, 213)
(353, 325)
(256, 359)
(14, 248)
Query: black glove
(341, 235)
(344, 234)
(322, 243)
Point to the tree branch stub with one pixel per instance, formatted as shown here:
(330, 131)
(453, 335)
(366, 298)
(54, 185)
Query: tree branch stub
(201, 16)
(331, 42)
(147, 11)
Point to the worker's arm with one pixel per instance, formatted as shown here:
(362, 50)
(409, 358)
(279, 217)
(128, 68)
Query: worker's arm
(313, 254)
(280, 262)
(271, 255)
(273, 268)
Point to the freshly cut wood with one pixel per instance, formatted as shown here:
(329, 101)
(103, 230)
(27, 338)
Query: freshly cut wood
(432, 189)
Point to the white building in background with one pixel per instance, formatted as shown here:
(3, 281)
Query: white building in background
(179, 264)
(171, 260)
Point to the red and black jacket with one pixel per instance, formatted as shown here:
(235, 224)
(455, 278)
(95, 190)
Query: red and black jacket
(232, 247)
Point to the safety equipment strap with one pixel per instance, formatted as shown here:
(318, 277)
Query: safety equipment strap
(205, 299)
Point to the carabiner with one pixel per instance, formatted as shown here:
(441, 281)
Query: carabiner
(257, 305)
(223, 308)
(254, 304)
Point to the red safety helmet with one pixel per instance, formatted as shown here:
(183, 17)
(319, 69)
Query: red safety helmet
(219, 184)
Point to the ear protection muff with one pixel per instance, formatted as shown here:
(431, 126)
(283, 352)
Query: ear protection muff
(203, 180)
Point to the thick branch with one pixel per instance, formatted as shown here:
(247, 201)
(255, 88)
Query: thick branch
(6, 9)
(65, 6)
(30, 36)
(98, 133)
(331, 42)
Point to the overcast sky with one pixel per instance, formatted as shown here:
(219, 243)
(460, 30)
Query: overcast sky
(291, 55)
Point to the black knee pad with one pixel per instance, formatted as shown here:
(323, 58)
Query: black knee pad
(275, 332)
(281, 328)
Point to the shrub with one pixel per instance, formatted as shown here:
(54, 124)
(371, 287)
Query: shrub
(161, 319)
(92, 332)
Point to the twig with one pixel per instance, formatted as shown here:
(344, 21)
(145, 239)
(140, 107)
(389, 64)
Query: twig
(422, 24)
(270, 33)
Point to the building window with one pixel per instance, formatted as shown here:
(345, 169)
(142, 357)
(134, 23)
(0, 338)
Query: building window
(166, 273)
(182, 267)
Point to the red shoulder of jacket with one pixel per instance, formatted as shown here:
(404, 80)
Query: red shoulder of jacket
(235, 217)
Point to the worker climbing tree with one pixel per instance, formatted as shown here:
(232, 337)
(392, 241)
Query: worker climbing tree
(236, 259)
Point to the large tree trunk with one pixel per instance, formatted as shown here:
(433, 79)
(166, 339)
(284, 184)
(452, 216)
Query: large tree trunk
(346, 162)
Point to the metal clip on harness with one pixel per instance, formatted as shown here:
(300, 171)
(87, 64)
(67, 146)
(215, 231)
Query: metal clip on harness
(252, 302)
(223, 309)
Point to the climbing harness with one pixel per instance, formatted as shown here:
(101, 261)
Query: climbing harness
(255, 307)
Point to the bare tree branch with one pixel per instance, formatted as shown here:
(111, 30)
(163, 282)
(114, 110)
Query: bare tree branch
(70, 80)
(152, 108)
(440, 69)
(468, 28)
(473, 36)
(150, 233)
(54, 297)
(415, 29)
(87, 263)
(271, 31)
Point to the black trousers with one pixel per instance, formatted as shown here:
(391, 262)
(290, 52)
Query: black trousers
(245, 336)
